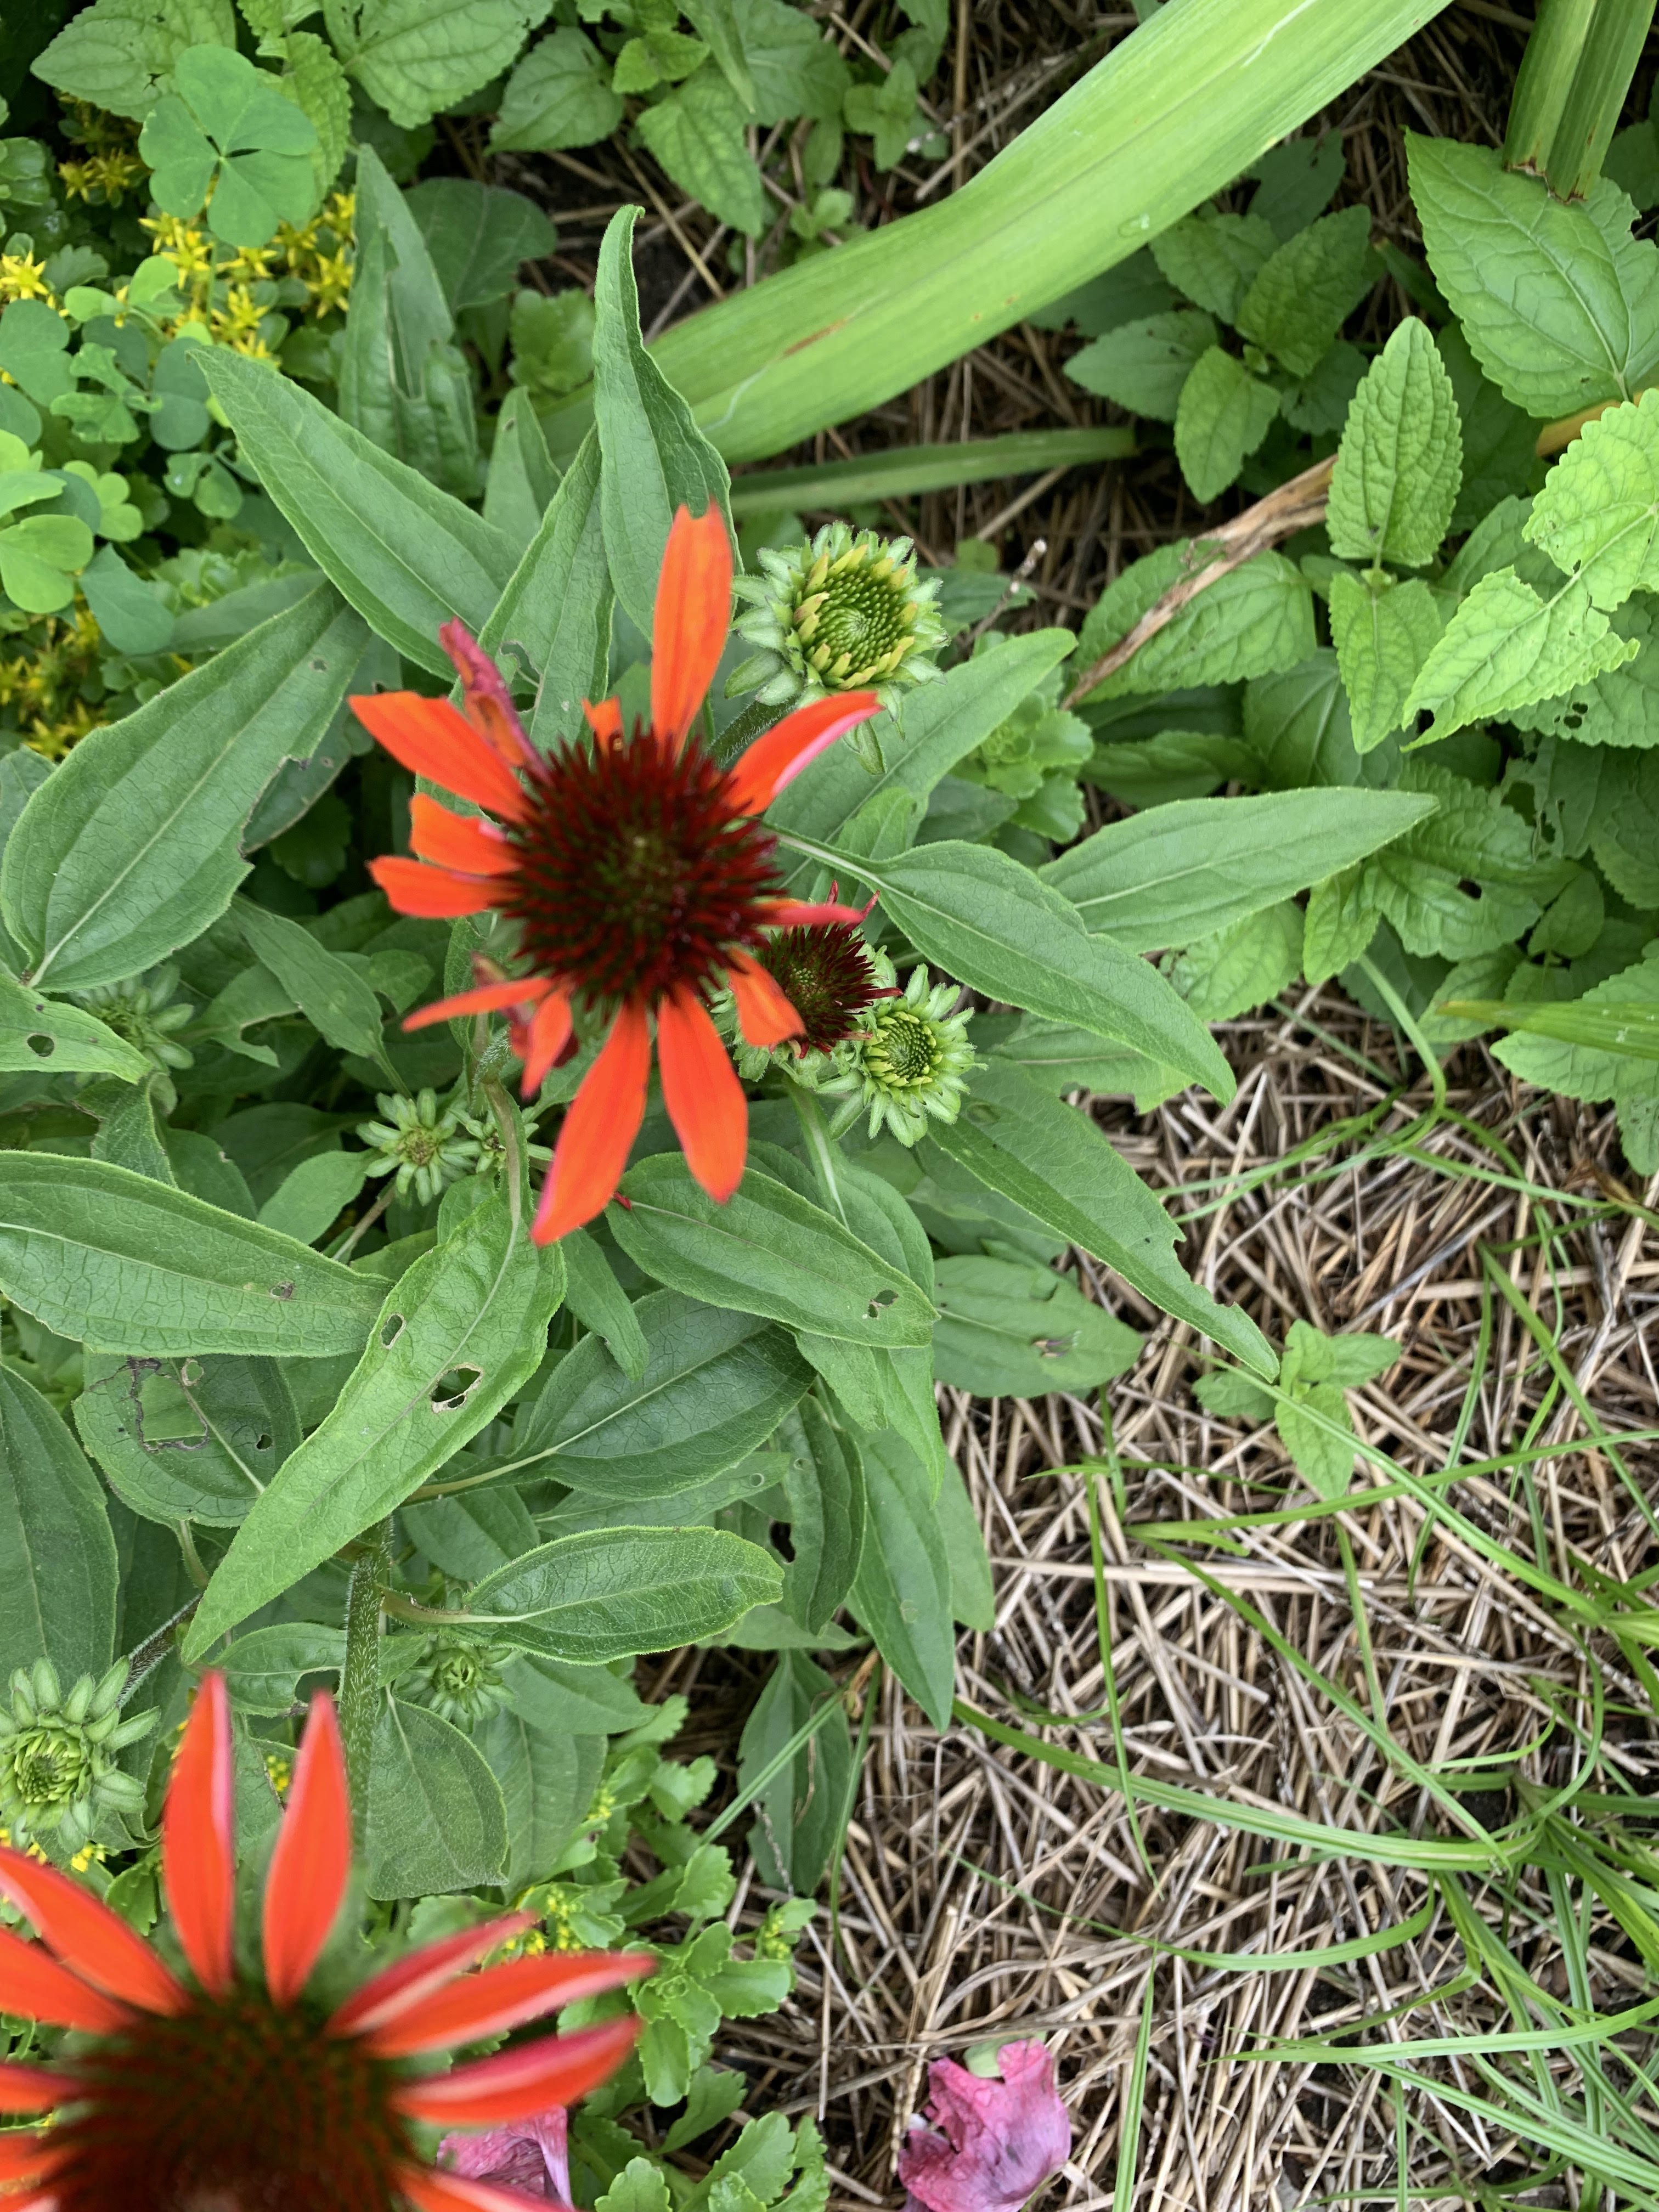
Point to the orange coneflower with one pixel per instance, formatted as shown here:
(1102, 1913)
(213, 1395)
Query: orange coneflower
(635, 870)
(237, 2093)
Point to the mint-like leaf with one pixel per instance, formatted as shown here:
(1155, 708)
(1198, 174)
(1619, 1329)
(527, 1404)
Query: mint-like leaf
(1400, 459)
(1382, 637)
(1224, 413)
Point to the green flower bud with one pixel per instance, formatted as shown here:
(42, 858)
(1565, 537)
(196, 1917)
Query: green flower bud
(909, 1061)
(844, 613)
(461, 1683)
(424, 1149)
(59, 1757)
(142, 1010)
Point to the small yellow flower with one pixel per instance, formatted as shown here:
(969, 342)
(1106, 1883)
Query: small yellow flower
(23, 277)
(249, 264)
(280, 1772)
(329, 282)
(103, 176)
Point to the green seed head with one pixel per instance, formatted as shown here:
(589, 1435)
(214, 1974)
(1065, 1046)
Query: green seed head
(58, 1756)
(844, 613)
(424, 1149)
(143, 1012)
(461, 1683)
(907, 1063)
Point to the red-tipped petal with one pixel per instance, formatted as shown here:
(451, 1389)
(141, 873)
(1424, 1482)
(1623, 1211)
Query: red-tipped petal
(557, 2070)
(487, 998)
(430, 738)
(432, 2192)
(600, 1129)
(29, 2157)
(541, 1040)
(488, 705)
(457, 841)
(605, 720)
(35, 2089)
(435, 894)
(500, 1997)
(33, 1986)
(694, 613)
(312, 1859)
(399, 1988)
(797, 914)
(765, 1013)
(758, 775)
(198, 1839)
(101, 1947)
(701, 1090)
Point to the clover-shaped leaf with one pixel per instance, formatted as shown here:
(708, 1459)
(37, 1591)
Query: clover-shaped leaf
(227, 137)
(40, 557)
(117, 518)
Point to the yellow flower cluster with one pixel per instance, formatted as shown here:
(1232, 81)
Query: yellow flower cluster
(22, 277)
(326, 275)
(222, 290)
(280, 1772)
(103, 178)
(45, 683)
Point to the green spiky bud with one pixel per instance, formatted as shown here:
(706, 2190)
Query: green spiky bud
(459, 1681)
(909, 1061)
(424, 1149)
(845, 612)
(59, 1757)
(142, 1010)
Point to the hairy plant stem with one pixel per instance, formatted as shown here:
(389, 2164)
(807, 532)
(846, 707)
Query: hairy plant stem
(360, 1676)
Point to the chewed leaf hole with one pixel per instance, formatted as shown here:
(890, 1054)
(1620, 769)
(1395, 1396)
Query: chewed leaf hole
(454, 1388)
(41, 1046)
(879, 1304)
(391, 1329)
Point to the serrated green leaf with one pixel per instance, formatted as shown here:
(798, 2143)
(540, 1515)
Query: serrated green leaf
(656, 459)
(1383, 634)
(547, 1785)
(117, 54)
(1305, 292)
(1597, 517)
(1593, 1071)
(614, 1592)
(559, 95)
(1224, 413)
(766, 1251)
(58, 1561)
(1214, 258)
(1472, 836)
(699, 135)
(124, 1264)
(1188, 869)
(1243, 966)
(1052, 1160)
(1400, 460)
(1559, 303)
(1507, 646)
(1340, 922)
(459, 1333)
(416, 57)
(1144, 366)
(1252, 621)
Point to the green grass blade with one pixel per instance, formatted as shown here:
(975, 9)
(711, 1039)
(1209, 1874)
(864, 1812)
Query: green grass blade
(908, 470)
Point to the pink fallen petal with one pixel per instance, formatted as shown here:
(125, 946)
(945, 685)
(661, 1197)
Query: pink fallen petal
(1001, 2141)
(528, 2155)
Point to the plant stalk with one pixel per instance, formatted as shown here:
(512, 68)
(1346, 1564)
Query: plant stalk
(1581, 56)
(360, 1676)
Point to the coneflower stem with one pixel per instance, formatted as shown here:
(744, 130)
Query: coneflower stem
(360, 1676)
(819, 1149)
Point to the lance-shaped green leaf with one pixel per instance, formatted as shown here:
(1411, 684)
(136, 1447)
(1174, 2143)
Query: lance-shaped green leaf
(262, 1672)
(190, 1440)
(58, 1562)
(766, 1251)
(124, 1264)
(714, 1386)
(1401, 461)
(1597, 516)
(437, 1820)
(600, 1304)
(903, 1591)
(459, 1333)
(48, 1037)
(1383, 631)
(825, 1479)
(1507, 646)
(333, 997)
(1052, 1160)
(992, 925)
(407, 555)
(129, 848)
(656, 459)
(554, 614)
(1172, 874)
(610, 1593)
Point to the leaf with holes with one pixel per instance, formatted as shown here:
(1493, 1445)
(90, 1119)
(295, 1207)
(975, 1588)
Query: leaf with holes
(460, 1331)
(48, 1037)
(187, 1440)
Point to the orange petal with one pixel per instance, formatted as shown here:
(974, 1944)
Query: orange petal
(502, 1997)
(765, 1013)
(489, 706)
(430, 738)
(430, 2190)
(33, 1986)
(758, 775)
(432, 893)
(409, 1981)
(541, 1040)
(557, 2070)
(798, 913)
(198, 1839)
(605, 720)
(457, 841)
(312, 1858)
(487, 998)
(34, 2089)
(97, 1944)
(29, 2157)
(701, 1090)
(599, 1128)
(694, 613)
